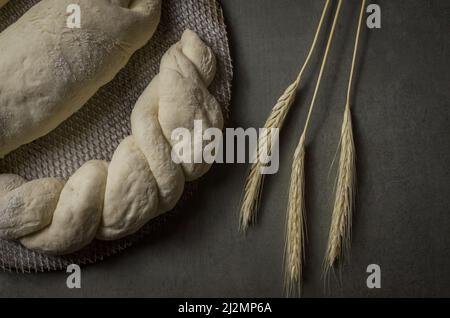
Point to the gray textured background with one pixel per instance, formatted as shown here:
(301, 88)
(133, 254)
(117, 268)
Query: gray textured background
(401, 114)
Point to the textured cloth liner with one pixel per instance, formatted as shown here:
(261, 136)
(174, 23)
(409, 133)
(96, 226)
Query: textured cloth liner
(97, 129)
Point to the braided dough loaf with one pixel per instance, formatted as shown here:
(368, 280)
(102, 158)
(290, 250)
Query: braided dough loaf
(141, 182)
(48, 71)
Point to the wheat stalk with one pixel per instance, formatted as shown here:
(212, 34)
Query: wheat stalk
(294, 250)
(340, 230)
(294, 254)
(255, 179)
(341, 221)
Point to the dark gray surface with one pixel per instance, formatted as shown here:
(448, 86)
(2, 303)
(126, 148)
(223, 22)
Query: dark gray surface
(401, 114)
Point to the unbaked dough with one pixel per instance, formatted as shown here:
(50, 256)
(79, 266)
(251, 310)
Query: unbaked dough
(29, 207)
(77, 215)
(141, 182)
(48, 71)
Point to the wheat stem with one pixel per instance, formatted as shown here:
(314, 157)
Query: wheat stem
(341, 222)
(294, 254)
(255, 179)
(322, 68)
(355, 53)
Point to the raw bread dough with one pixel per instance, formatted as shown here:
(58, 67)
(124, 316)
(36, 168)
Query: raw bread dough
(9, 182)
(49, 71)
(77, 215)
(28, 208)
(141, 182)
(148, 134)
(131, 198)
(184, 96)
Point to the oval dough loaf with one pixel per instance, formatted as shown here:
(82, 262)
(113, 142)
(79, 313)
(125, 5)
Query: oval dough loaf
(48, 71)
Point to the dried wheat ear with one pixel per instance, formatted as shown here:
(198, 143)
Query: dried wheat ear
(341, 220)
